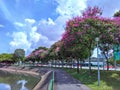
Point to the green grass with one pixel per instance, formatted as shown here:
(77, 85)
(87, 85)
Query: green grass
(110, 80)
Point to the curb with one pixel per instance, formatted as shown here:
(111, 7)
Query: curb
(51, 83)
(44, 82)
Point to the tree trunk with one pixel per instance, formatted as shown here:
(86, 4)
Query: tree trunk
(78, 66)
(62, 63)
(89, 59)
(81, 65)
(89, 65)
(107, 60)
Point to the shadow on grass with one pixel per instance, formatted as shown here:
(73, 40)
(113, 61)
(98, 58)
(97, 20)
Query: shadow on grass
(110, 80)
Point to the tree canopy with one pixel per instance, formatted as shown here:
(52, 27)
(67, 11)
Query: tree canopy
(6, 57)
(19, 54)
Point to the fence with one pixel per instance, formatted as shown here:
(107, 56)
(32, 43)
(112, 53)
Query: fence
(51, 84)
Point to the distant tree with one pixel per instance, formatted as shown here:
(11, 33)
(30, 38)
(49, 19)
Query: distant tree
(19, 55)
(6, 57)
(52, 53)
(40, 48)
(39, 54)
(117, 14)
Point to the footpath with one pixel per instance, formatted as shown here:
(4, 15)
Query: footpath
(64, 81)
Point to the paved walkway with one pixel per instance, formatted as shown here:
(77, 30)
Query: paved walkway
(64, 81)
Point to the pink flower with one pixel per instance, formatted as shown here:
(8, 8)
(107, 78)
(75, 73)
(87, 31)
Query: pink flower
(38, 52)
(76, 25)
(79, 33)
(95, 11)
(57, 49)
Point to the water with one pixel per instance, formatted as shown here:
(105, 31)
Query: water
(10, 81)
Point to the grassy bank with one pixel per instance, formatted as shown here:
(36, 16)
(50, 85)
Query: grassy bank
(110, 80)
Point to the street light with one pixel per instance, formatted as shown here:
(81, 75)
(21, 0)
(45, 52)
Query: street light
(97, 40)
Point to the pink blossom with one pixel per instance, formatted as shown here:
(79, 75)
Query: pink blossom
(30, 55)
(57, 49)
(37, 52)
(79, 33)
(95, 11)
(76, 25)
(117, 20)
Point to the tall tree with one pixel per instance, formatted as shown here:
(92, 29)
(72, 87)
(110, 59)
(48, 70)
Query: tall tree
(19, 54)
(84, 29)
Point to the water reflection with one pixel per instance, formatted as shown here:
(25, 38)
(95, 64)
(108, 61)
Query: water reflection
(22, 82)
(4, 86)
(17, 81)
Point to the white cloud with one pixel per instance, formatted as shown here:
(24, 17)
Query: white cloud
(27, 36)
(19, 24)
(50, 21)
(34, 35)
(46, 32)
(1, 25)
(70, 7)
(66, 9)
(47, 22)
(50, 30)
(20, 41)
(30, 21)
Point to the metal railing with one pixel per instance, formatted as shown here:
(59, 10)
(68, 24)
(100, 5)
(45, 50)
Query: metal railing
(51, 84)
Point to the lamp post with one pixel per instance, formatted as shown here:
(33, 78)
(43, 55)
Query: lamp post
(97, 40)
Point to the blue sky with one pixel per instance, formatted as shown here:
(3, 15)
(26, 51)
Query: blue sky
(28, 24)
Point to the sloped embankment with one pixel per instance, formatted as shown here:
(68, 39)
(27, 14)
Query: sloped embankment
(44, 73)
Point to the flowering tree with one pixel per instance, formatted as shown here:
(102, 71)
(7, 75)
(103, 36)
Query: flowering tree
(83, 30)
(77, 53)
(117, 22)
(53, 52)
(38, 54)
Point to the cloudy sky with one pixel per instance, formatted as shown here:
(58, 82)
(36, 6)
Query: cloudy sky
(28, 24)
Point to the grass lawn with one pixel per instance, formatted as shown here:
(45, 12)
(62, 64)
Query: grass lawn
(110, 80)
